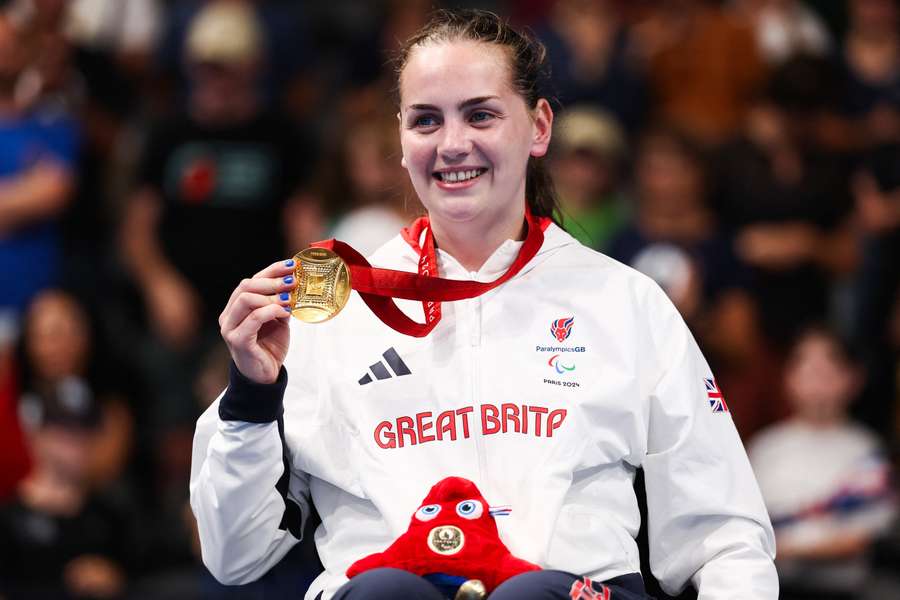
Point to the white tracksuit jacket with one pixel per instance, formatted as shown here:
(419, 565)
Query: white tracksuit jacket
(553, 429)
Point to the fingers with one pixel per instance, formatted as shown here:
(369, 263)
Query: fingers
(274, 279)
(245, 332)
(247, 302)
(278, 269)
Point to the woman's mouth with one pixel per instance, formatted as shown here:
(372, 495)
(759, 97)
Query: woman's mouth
(458, 178)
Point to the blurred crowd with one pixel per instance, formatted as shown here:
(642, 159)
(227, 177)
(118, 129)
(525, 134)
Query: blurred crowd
(745, 154)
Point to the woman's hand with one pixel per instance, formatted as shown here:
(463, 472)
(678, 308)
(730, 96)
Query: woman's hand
(254, 323)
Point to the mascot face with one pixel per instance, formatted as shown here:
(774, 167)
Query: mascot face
(453, 510)
(452, 534)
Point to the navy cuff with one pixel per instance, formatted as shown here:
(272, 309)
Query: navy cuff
(246, 400)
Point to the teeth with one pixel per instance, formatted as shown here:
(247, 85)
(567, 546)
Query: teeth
(457, 176)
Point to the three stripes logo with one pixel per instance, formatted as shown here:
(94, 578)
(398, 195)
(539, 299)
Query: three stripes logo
(380, 369)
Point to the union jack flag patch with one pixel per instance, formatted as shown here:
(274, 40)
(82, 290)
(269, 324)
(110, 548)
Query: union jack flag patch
(716, 398)
(584, 590)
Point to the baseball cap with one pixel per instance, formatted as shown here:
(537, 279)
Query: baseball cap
(590, 128)
(225, 33)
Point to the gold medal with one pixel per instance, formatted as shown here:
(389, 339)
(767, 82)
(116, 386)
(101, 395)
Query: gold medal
(446, 539)
(472, 589)
(323, 285)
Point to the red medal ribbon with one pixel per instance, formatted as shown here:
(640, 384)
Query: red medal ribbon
(378, 287)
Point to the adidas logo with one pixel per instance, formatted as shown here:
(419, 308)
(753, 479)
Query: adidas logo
(380, 371)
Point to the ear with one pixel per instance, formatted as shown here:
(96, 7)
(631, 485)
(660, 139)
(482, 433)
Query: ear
(542, 124)
(400, 127)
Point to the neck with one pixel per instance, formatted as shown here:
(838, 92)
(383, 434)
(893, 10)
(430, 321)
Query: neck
(472, 245)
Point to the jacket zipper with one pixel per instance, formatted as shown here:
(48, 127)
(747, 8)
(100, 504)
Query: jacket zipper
(475, 345)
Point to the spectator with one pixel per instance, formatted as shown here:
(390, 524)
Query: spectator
(284, 55)
(785, 28)
(785, 197)
(56, 538)
(824, 478)
(876, 191)
(37, 156)
(216, 194)
(367, 186)
(675, 239)
(871, 65)
(703, 66)
(60, 349)
(587, 163)
(593, 61)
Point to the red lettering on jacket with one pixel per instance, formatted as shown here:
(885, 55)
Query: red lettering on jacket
(405, 427)
(422, 426)
(489, 422)
(510, 413)
(446, 424)
(507, 418)
(538, 411)
(384, 437)
(464, 413)
(555, 420)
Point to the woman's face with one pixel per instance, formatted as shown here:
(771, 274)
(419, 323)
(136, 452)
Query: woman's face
(819, 381)
(466, 134)
(57, 336)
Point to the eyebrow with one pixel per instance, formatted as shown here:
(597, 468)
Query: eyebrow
(463, 104)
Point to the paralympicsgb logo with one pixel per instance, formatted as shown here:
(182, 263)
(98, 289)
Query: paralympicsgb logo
(562, 328)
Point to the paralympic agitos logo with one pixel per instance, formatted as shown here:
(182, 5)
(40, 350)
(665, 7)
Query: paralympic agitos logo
(559, 366)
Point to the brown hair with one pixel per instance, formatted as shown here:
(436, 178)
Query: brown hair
(529, 71)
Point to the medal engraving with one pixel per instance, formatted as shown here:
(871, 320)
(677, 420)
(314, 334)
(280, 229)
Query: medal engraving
(323, 285)
(446, 539)
(315, 285)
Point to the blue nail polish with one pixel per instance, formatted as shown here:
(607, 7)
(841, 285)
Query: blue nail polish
(284, 296)
(289, 262)
(289, 279)
(286, 308)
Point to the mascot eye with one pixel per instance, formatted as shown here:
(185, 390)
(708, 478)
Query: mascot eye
(428, 512)
(469, 509)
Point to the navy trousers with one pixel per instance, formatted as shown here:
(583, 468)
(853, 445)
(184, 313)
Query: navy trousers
(389, 584)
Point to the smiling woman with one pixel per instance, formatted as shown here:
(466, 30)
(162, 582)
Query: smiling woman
(547, 391)
(472, 129)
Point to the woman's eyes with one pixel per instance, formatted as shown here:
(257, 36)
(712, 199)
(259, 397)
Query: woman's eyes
(425, 121)
(478, 117)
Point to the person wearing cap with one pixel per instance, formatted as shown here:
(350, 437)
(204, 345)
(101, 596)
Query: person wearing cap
(216, 195)
(589, 151)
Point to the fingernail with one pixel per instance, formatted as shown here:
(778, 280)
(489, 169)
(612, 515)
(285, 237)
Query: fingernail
(289, 279)
(284, 296)
(286, 308)
(289, 262)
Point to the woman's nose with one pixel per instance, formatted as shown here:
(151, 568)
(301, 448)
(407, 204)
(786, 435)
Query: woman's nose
(455, 143)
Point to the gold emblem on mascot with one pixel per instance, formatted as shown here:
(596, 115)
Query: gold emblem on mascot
(446, 539)
(472, 589)
(323, 285)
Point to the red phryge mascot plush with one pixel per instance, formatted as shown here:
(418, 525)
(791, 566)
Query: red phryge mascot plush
(451, 534)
